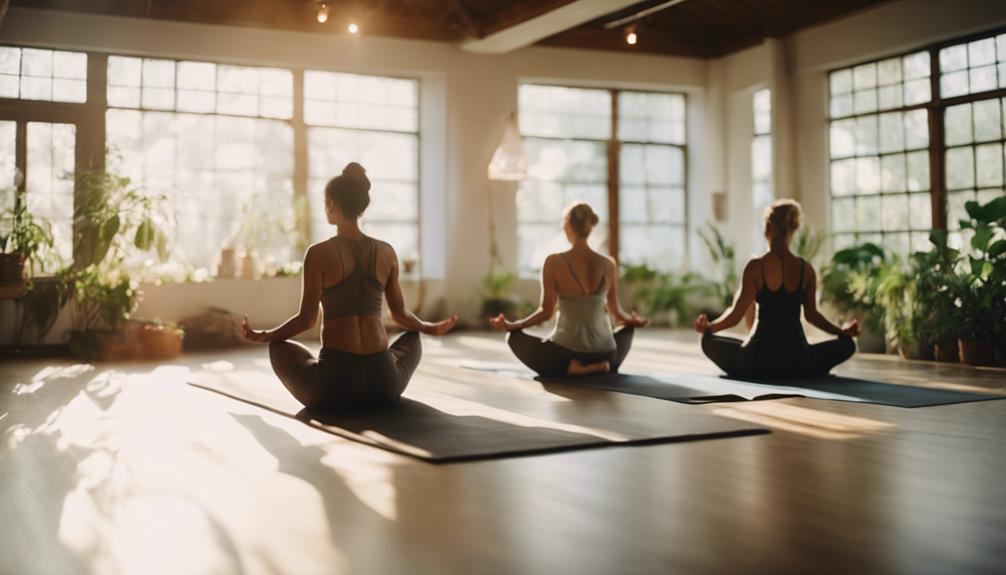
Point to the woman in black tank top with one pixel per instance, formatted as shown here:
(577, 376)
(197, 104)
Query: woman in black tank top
(778, 346)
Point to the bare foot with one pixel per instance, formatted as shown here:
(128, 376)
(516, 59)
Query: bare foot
(576, 367)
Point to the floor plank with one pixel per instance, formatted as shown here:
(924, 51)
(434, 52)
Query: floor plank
(125, 469)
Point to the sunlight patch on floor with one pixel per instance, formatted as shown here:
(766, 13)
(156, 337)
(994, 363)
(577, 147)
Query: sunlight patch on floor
(802, 420)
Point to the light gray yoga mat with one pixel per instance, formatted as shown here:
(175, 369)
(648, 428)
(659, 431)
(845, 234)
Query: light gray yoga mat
(438, 421)
(697, 388)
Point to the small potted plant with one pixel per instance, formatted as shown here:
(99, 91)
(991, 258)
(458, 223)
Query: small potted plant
(160, 341)
(25, 243)
(496, 298)
(849, 283)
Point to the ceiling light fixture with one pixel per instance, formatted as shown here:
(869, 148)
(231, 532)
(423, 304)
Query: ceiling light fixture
(322, 12)
(353, 28)
(630, 36)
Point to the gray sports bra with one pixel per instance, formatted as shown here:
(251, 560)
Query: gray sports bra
(358, 293)
(582, 324)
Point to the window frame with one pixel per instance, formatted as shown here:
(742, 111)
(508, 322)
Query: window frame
(936, 108)
(89, 117)
(614, 146)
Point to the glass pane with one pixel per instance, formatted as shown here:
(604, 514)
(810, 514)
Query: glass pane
(555, 111)
(865, 76)
(893, 173)
(843, 177)
(866, 135)
(895, 212)
(954, 58)
(841, 106)
(840, 82)
(988, 125)
(124, 71)
(197, 76)
(916, 129)
(10, 86)
(920, 209)
(892, 132)
(917, 171)
(891, 97)
(158, 73)
(761, 158)
(982, 79)
(48, 179)
(69, 90)
(917, 91)
(954, 84)
(37, 63)
(868, 175)
(10, 60)
(843, 214)
(989, 165)
(889, 71)
(916, 65)
(842, 138)
(957, 125)
(982, 52)
(868, 212)
(762, 107)
(8, 135)
(865, 101)
(69, 65)
(960, 168)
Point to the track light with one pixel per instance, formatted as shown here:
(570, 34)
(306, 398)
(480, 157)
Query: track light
(323, 12)
(353, 28)
(630, 37)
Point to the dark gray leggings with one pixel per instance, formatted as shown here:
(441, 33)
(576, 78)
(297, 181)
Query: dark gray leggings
(339, 380)
(549, 359)
(742, 362)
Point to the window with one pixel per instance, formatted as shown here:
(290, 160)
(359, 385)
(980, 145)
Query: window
(881, 153)
(651, 167)
(762, 181)
(565, 140)
(372, 120)
(974, 155)
(879, 149)
(204, 135)
(973, 67)
(568, 133)
(48, 75)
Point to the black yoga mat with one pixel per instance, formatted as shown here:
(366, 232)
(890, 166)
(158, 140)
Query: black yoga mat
(450, 421)
(696, 388)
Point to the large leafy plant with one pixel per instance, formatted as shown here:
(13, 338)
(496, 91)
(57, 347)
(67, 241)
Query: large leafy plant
(655, 292)
(850, 282)
(981, 286)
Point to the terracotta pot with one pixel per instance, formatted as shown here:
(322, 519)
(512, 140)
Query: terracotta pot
(948, 353)
(13, 290)
(159, 343)
(977, 351)
(102, 345)
(11, 268)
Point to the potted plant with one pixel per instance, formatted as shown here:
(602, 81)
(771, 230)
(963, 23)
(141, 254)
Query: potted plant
(663, 294)
(160, 341)
(24, 243)
(849, 282)
(981, 277)
(113, 222)
(496, 298)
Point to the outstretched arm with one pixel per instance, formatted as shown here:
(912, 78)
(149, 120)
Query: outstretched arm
(742, 301)
(815, 318)
(402, 316)
(310, 295)
(615, 307)
(546, 307)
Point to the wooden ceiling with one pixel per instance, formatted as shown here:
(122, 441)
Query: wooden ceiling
(698, 28)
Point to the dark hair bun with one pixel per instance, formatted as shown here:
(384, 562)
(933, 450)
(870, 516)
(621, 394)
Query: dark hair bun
(350, 190)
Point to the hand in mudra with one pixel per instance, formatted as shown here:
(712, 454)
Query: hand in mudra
(440, 327)
(702, 324)
(851, 328)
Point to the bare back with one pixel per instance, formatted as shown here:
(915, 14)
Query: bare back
(359, 334)
(578, 272)
(779, 271)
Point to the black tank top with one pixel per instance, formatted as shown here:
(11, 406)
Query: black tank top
(359, 292)
(779, 326)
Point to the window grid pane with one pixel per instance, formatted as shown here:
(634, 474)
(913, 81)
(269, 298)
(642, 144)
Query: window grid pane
(361, 102)
(199, 87)
(880, 186)
(973, 67)
(49, 181)
(46, 75)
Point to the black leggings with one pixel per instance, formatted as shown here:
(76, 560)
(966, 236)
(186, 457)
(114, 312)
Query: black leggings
(340, 380)
(549, 359)
(747, 362)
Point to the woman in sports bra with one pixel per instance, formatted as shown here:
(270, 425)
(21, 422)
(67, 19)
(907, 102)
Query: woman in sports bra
(349, 274)
(582, 283)
(780, 283)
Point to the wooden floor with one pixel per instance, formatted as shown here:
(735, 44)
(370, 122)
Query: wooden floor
(125, 469)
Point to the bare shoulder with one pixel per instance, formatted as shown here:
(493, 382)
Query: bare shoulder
(753, 266)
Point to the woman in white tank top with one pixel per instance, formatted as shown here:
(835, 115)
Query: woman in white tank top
(582, 284)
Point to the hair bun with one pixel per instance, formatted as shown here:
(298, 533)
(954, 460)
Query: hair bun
(355, 170)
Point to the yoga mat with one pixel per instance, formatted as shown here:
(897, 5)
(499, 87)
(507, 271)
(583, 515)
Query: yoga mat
(447, 421)
(697, 388)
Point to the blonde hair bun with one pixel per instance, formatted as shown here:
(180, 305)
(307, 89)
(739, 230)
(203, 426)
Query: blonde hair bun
(581, 218)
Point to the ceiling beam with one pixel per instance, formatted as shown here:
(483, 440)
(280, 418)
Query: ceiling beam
(553, 22)
(471, 26)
